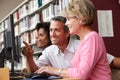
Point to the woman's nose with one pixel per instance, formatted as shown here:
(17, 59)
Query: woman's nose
(66, 23)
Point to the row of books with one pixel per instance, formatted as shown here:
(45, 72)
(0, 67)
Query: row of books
(1, 37)
(25, 37)
(27, 24)
(26, 9)
(54, 9)
(47, 13)
(29, 37)
(30, 8)
(1, 41)
(3, 25)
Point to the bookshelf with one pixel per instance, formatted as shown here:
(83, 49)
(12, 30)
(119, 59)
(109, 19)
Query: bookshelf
(26, 16)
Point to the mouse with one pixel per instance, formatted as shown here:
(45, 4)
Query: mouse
(40, 76)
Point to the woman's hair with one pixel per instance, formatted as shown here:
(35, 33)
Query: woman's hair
(82, 9)
(45, 26)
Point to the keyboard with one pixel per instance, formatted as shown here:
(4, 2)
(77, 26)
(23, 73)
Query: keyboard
(41, 76)
(37, 76)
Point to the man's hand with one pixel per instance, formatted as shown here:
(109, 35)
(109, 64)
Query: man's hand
(27, 50)
(47, 69)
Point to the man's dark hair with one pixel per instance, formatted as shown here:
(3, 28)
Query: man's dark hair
(45, 26)
(61, 19)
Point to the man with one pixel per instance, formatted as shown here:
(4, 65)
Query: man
(56, 56)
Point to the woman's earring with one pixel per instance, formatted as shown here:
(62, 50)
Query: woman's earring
(82, 22)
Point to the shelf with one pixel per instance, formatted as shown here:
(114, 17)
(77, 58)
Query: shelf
(36, 11)
(42, 7)
(20, 19)
(1, 31)
(1, 43)
(26, 30)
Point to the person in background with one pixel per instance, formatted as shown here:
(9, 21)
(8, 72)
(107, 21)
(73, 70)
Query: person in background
(43, 36)
(60, 53)
(42, 41)
(89, 62)
(114, 62)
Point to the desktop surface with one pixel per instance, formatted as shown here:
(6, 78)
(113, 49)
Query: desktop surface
(32, 76)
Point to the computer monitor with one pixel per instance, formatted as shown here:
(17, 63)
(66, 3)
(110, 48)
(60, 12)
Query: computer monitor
(9, 49)
(11, 44)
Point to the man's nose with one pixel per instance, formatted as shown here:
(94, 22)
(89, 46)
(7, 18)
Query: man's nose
(53, 33)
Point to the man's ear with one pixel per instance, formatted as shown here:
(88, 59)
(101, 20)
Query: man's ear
(68, 33)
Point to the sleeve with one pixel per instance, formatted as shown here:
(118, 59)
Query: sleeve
(43, 59)
(110, 58)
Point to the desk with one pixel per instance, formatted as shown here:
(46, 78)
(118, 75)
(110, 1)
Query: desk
(5, 71)
(4, 74)
(21, 78)
(68, 79)
(54, 79)
(17, 78)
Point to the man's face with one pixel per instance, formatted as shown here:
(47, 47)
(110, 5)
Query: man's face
(41, 38)
(57, 34)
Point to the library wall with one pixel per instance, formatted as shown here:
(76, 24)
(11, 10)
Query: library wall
(112, 43)
(6, 6)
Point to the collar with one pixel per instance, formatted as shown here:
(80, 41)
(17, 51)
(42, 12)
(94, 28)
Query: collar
(72, 45)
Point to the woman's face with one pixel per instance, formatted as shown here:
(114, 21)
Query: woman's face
(41, 39)
(73, 24)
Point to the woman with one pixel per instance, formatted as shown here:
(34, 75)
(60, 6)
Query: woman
(42, 41)
(89, 61)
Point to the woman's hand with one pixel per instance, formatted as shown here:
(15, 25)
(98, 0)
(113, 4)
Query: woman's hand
(27, 50)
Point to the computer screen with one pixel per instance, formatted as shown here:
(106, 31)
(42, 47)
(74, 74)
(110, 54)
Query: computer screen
(11, 44)
(10, 50)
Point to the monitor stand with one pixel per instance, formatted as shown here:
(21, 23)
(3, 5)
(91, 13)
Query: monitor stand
(2, 56)
(13, 74)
